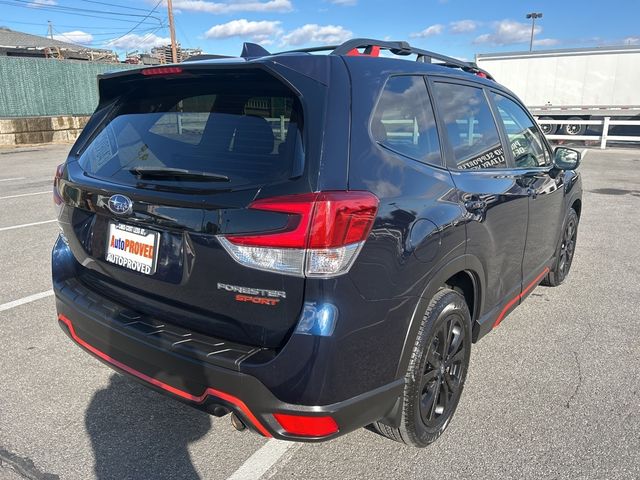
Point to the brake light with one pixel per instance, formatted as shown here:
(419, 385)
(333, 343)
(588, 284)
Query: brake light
(323, 236)
(161, 71)
(304, 426)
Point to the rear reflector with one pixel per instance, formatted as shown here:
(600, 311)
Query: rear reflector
(323, 235)
(303, 426)
(161, 71)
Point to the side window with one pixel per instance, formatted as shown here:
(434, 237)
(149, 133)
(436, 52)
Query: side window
(470, 126)
(525, 138)
(404, 121)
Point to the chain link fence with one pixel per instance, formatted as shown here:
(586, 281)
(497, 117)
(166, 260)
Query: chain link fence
(31, 87)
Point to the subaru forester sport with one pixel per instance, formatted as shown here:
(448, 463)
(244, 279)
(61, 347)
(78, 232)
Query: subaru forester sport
(309, 242)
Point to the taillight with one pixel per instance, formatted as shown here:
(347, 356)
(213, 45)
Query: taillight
(323, 236)
(57, 196)
(305, 426)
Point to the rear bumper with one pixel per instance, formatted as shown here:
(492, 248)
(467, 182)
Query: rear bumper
(158, 356)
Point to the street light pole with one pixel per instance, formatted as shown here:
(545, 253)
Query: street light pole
(533, 17)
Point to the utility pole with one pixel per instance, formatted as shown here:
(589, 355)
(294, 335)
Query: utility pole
(533, 17)
(172, 31)
(50, 29)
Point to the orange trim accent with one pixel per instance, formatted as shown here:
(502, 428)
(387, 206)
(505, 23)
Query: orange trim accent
(371, 51)
(506, 308)
(164, 386)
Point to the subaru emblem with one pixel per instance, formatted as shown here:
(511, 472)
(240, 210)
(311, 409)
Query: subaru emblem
(120, 205)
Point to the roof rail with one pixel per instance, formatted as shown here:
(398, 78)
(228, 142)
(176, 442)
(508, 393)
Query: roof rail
(372, 48)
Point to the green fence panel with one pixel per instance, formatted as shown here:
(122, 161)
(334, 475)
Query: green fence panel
(44, 87)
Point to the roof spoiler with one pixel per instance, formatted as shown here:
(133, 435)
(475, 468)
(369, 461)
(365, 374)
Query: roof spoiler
(253, 50)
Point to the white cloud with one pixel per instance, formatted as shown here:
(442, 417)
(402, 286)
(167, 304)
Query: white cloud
(509, 32)
(631, 41)
(436, 29)
(40, 3)
(261, 31)
(546, 42)
(346, 3)
(312, 33)
(463, 26)
(233, 7)
(138, 42)
(76, 36)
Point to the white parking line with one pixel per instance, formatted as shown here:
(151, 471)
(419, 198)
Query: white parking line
(22, 301)
(24, 195)
(10, 179)
(13, 227)
(262, 460)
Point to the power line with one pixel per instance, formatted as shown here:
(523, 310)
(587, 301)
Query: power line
(72, 10)
(7, 2)
(84, 27)
(141, 41)
(115, 5)
(71, 40)
(112, 34)
(140, 22)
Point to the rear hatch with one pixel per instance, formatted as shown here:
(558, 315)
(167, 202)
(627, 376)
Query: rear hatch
(171, 160)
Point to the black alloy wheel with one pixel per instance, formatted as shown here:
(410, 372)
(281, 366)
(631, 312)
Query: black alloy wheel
(565, 252)
(443, 374)
(567, 247)
(436, 373)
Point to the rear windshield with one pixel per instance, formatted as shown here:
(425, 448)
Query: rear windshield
(244, 127)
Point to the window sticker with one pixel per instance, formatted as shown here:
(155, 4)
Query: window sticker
(103, 149)
(491, 159)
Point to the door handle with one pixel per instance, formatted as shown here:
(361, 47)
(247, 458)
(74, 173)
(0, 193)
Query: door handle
(475, 206)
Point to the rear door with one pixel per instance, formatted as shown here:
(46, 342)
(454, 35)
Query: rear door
(497, 206)
(532, 161)
(175, 163)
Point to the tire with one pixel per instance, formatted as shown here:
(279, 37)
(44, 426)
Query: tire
(574, 128)
(548, 128)
(565, 251)
(426, 413)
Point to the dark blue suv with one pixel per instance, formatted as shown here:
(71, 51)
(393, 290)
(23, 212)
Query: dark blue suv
(309, 242)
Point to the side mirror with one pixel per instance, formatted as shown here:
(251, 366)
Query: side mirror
(566, 158)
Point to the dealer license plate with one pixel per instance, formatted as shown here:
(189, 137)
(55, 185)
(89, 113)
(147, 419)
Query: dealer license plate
(132, 247)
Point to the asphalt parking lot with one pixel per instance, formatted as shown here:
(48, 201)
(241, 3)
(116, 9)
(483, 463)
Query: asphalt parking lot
(552, 393)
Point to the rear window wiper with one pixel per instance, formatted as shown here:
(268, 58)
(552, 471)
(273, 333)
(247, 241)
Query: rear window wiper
(178, 174)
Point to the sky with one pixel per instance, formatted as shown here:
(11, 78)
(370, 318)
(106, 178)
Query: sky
(459, 28)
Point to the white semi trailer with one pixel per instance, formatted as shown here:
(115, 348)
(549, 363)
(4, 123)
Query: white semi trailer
(574, 84)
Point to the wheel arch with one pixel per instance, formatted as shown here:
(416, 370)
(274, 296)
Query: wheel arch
(577, 206)
(464, 273)
(466, 267)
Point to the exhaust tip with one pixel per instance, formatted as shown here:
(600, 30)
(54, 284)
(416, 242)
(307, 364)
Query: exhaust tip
(237, 423)
(219, 411)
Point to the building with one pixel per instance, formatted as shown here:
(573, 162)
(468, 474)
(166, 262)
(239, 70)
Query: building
(19, 44)
(163, 53)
